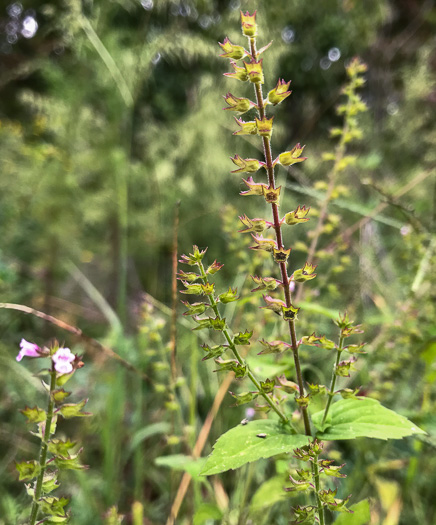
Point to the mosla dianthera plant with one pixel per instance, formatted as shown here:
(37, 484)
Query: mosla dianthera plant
(345, 414)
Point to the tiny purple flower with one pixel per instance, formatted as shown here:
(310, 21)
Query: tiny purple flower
(28, 350)
(62, 360)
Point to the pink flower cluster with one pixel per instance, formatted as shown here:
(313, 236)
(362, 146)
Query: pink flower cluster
(62, 358)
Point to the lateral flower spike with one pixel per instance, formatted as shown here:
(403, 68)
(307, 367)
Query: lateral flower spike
(246, 165)
(248, 24)
(265, 283)
(281, 255)
(263, 244)
(276, 305)
(247, 128)
(297, 216)
(193, 258)
(292, 157)
(240, 105)
(254, 71)
(304, 274)
(264, 127)
(231, 50)
(254, 225)
(254, 188)
(273, 347)
(239, 73)
(279, 93)
(271, 194)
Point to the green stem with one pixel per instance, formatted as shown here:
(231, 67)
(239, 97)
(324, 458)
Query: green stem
(43, 450)
(333, 381)
(315, 472)
(235, 351)
(278, 232)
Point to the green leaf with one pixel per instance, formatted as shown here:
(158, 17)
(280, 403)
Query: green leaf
(70, 410)
(205, 513)
(363, 417)
(361, 515)
(54, 506)
(269, 493)
(246, 443)
(189, 464)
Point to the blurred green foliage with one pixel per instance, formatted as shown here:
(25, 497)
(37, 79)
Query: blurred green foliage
(109, 114)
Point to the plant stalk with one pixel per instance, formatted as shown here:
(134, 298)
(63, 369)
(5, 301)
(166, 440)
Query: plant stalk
(278, 232)
(43, 450)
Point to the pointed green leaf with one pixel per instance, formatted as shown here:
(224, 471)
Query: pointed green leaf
(191, 465)
(363, 417)
(246, 443)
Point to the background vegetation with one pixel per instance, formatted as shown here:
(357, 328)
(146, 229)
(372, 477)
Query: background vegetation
(110, 114)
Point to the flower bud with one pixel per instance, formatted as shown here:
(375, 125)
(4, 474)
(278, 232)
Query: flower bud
(247, 128)
(292, 157)
(245, 165)
(263, 244)
(253, 225)
(279, 93)
(239, 73)
(248, 24)
(297, 216)
(232, 51)
(265, 127)
(271, 194)
(241, 105)
(254, 71)
(253, 187)
(304, 274)
(281, 255)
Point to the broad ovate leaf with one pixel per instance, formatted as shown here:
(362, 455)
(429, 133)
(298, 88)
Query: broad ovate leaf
(363, 417)
(249, 442)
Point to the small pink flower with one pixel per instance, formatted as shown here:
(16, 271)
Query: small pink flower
(62, 360)
(28, 350)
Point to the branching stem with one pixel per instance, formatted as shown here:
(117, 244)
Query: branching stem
(333, 381)
(232, 346)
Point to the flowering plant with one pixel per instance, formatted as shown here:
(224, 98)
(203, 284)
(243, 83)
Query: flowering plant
(320, 417)
(55, 454)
